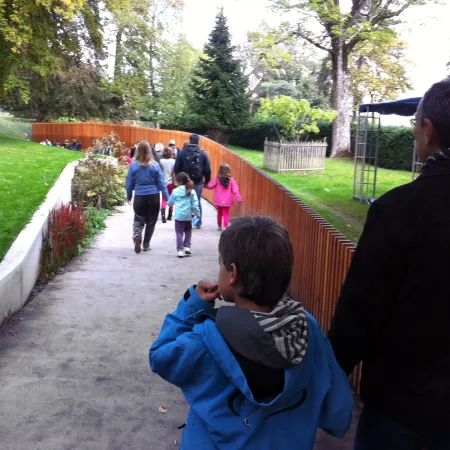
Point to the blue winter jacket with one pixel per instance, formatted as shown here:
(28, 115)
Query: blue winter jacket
(146, 180)
(192, 354)
(185, 205)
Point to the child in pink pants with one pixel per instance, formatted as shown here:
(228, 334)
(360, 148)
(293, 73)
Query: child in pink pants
(225, 188)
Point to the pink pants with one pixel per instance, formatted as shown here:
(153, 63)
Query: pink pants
(223, 212)
(170, 188)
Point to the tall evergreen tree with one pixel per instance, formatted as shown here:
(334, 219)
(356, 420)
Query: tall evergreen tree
(219, 85)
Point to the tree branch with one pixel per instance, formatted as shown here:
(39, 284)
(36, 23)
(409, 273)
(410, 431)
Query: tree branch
(307, 38)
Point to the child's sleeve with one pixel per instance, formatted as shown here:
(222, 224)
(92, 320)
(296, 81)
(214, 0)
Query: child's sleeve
(337, 408)
(194, 204)
(171, 200)
(212, 184)
(235, 191)
(175, 353)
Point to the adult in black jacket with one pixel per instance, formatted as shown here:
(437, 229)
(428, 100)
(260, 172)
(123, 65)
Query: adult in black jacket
(393, 313)
(195, 162)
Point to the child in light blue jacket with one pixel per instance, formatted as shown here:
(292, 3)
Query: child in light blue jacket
(185, 201)
(258, 375)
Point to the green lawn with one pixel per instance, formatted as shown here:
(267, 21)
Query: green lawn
(27, 172)
(329, 192)
(14, 126)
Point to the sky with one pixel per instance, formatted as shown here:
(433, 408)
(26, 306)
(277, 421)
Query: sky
(426, 32)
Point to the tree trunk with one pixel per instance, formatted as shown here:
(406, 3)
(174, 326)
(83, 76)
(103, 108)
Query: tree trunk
(119, 54)
(342, 101)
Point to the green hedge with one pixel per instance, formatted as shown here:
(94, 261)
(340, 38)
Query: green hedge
(396, 143)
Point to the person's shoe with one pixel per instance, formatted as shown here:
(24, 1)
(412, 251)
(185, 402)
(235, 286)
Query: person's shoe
(169, 217)
(219, 229)
(187, 251)
(163, 215)
(137, 244)
(146, 249)
(180, 254)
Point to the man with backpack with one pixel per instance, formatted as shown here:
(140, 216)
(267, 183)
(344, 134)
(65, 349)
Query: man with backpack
(195, 162)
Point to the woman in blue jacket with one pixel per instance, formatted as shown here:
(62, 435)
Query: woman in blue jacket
(145, 177)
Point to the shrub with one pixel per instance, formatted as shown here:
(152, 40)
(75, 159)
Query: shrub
(99, 183)
(108, 145)
(396, 143)
(95, 221)
(253, 134)
(66, 232)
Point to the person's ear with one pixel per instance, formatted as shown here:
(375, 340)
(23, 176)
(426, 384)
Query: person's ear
(234, 277)
(428, 131)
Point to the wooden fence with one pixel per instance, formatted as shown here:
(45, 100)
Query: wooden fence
(295, 156)
(322, 254)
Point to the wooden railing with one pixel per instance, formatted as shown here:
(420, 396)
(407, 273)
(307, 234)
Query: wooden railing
(322, 254)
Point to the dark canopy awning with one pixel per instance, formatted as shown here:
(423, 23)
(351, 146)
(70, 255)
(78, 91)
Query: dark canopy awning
(406, 107)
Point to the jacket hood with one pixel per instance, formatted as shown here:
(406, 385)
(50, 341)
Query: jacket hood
(180, 191)
(256, 339)
(225, 182)
(277, 339)
(192, 148)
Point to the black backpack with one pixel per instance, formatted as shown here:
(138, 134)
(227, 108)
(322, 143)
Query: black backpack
(193, 167)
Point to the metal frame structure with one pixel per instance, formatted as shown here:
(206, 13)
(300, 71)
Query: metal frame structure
(368, 145)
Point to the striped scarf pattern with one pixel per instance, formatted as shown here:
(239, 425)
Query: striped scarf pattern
(441, 155)
(287, 327)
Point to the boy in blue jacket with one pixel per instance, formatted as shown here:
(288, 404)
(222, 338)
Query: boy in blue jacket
(259, 375)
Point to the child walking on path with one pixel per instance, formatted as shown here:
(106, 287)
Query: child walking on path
(167, 163)
(225, 188)
(185, 201)
(258, 375)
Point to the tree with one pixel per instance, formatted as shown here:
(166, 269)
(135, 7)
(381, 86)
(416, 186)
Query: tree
(378, 69)
(289, 68)
(340, 33)
(36, 36)
(180, 60)
(295, 116)
(77, 91)
(219, 85)
(142, 30)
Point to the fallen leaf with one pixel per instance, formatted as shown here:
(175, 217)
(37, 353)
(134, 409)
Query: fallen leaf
(163, 409)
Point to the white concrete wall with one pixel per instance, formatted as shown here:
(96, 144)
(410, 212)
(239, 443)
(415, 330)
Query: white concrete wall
(20, 267)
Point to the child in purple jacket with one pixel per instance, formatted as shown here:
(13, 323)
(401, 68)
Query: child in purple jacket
(225, 188)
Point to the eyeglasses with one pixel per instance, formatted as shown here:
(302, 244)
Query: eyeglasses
(413, 122)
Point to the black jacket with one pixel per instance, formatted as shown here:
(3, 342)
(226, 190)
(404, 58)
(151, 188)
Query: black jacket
(181, 165)
(394, 309)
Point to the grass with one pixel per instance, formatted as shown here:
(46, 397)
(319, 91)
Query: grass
(329, 192)
(14, 126)
(27, 172)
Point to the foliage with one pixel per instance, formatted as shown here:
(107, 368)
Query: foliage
(36, 36)
(295, 116)
(66, 233)
(27, 172)
(325, 25)
(66, 120)
(288, 68)
(219, 85)
(379, 69)
(144, 44)
(108, 145)
(99, 183)
(95, 221)
(254, 132)
(329, 192)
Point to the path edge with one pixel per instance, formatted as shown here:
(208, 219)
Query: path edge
(19, 269)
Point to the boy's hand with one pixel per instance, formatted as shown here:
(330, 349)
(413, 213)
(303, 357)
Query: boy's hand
(208, 292)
